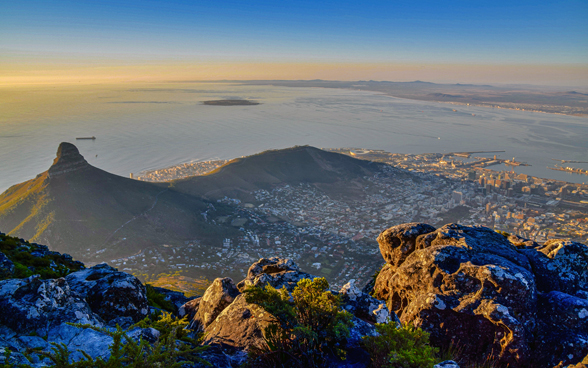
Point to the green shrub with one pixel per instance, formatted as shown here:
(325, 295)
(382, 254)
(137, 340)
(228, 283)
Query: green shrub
(20, 271)
(404, 347)
(173, 349)
(157, 299)
(311, 327)
(50, 266)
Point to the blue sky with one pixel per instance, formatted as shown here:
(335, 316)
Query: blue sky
(459, 32)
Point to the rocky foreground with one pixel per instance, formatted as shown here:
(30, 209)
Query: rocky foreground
(486, 296)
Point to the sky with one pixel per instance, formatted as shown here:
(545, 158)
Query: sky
(536, 42)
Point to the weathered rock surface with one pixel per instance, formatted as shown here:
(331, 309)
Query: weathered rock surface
(240, 325)
(6, 267)
(189, 309)
(560, 266)
(217, 297)
(364, 306)
(459, 281)
(276, 272)
(397, 242)
(476, 239)
(94, 343)
(111, 294)
(35, 305)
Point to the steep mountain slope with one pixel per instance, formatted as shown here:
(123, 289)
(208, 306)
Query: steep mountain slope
(334, 173)
(77, 208)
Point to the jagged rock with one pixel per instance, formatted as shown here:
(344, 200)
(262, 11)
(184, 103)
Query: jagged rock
(240, 325)
(397, 242)
(92, 342)
(6, 267)
(462, 282)
(110, 293)
(447, 364)
(216, 298)
(364, 306)
(189, 309)
(560, 265)
(276, 272)
(35, 305)
(175, 297)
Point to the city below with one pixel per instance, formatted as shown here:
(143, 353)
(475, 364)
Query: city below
(334, 236)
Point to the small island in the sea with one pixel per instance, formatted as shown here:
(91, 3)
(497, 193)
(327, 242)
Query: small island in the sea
(230, 102)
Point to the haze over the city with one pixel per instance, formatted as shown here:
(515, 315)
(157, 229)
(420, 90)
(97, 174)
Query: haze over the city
(492, 42)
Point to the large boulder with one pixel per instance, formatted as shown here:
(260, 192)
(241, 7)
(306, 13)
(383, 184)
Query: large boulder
(277, 272)
(6, 267)
(240, 325)
(216, 298)
(560, 266)
(111, 294)
(397, 242)
(461, 282)
(35, 305)
(525, 303)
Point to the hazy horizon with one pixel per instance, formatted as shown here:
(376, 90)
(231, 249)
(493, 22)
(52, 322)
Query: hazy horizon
(66, 42)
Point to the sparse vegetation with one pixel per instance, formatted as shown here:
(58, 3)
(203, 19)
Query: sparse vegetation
(311, 326)
(32, 259)
(404, 347)
(157, 300)
(172, 349)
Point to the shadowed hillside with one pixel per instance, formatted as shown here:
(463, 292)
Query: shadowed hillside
(77, 208)
(336, 174)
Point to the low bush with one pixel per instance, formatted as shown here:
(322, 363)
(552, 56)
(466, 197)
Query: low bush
(399, 347)
(173, 349)
(157, 299)
(311, 327)
(50, 265)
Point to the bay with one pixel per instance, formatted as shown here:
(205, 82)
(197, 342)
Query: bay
(142, 126)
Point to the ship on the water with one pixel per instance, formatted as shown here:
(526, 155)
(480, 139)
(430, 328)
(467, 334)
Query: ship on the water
(92, 138)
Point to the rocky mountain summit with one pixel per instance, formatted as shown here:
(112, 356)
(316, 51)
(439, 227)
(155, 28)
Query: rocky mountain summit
(488, 298)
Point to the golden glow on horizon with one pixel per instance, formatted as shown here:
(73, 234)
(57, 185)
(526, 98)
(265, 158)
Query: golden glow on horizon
(13, 74)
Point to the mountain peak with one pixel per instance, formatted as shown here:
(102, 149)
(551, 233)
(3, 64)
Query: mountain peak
(68, 159)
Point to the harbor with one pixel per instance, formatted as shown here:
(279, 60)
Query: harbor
(573, 170)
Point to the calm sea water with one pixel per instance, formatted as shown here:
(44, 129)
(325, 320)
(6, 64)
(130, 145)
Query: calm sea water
(147, 126)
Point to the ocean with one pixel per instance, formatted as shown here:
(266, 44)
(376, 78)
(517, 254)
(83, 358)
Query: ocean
(144, 126)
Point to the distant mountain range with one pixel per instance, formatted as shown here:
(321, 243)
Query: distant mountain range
(77, 208)
(520, 97)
